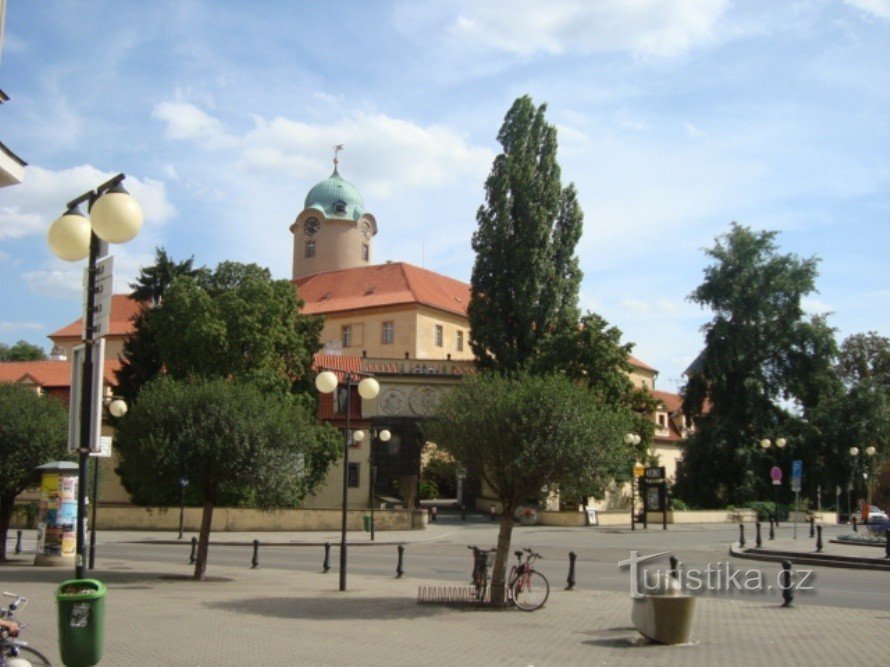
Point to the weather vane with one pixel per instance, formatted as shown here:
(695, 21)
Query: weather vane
(337, 149)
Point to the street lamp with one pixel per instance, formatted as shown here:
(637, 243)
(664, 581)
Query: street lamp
(870, 453)
(780, 444)
(854, 452)
(326, 382)
(632, 440)
(114, 217)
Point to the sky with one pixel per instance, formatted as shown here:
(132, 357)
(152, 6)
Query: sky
(675, 118)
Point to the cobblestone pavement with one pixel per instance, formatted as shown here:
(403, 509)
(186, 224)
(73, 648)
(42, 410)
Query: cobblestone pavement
(270, 617)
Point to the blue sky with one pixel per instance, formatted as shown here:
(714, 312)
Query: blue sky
(675, 118)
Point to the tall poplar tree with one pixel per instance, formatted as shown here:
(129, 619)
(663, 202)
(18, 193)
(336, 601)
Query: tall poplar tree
(525, 281)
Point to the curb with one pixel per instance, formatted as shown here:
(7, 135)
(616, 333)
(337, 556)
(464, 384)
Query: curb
(800, 558)
(267, 544)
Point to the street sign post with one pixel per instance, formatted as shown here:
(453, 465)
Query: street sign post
(776, 475)
(103, 294)
(796, 475)
(77, 389)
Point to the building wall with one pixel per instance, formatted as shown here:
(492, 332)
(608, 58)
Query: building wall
(427, 321)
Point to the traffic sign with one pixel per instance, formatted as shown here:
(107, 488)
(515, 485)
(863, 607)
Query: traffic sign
(775, 474)
(796, 474)
(639, 470)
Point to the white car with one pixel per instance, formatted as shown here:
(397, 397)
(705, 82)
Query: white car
(875, 515)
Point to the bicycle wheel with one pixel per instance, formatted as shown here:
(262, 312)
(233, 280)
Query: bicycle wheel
(530, 591)
(35, 657)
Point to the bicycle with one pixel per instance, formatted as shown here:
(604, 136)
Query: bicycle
(483, 559)
(12, 650)
(528, 588)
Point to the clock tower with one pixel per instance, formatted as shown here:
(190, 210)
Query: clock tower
(333, 231)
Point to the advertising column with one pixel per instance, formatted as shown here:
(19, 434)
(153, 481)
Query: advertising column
(57, 518)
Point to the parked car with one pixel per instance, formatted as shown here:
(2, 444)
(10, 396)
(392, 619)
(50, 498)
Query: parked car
(875, 515)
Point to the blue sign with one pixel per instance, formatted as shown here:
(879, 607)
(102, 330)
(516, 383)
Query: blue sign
(796, 474)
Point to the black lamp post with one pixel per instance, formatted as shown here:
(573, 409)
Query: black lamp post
(114, 217)
(766, 443)
(183, 482)
(327, 382)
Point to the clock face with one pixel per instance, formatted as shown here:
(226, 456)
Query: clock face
(310, 227)
(366, 230)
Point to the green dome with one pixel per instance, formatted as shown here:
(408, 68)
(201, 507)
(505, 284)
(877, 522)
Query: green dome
(336, 198)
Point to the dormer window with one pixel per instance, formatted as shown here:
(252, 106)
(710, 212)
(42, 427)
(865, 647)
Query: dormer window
(340, 207)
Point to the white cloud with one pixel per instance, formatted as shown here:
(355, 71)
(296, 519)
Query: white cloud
(660, 28)
(815, 306)
(385, 154)
(21, 326)
(879, 8)
(32, 206)
(56, 283)
(186, 121)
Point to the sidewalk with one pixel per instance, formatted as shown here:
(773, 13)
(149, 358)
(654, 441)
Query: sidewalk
(803, 550)
(270, 617)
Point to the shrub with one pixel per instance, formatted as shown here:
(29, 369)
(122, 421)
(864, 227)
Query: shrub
(765, 509)
(677, 504)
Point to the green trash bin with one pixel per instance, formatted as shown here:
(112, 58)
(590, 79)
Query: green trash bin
(81, 621)
(366, 519)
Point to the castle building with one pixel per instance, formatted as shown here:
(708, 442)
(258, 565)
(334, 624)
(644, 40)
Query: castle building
(406, 325)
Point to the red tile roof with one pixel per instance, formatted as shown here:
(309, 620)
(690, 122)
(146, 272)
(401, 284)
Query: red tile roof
(641, 364)
(49, 374)
(123, 310)
(672, 402)
(381, 285)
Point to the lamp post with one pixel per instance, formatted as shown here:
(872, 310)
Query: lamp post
(632, 440)
(117, 408)
(114, 217)
(326, 382)
(780, 444)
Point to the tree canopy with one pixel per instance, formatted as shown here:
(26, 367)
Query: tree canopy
(236, 444)
(527, 432)
(525, 280)
(33, 431)
(761, 354)
(21, 351)
(234, 322)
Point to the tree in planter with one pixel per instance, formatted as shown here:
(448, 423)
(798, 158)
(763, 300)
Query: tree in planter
(526, 432)
(33, 431)
(237, 445)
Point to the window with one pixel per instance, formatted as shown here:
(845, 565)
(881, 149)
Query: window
(459, 343)
(389, 331)
(440, 336)
(662, 421)
(354, 475)
(310, 248)
(366, 252)
(346, 335)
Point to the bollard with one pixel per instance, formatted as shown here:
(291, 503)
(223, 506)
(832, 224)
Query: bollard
(772, 530)
(491, 513)
(570, 580)
(758, 540)
(887, 543)
(812, 526)
(434, 513)
(818, 539)
(194, 555)
(786, 583)
(742, 535)
(853, 521)
(18, 541)
(463, 512)
(674, 567)
(327, 557)
(399, 570)
(255, 561)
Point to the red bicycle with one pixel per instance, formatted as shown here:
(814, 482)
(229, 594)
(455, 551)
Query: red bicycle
(528, 588)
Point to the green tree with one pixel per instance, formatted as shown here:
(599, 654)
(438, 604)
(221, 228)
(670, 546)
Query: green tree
(33, 431)
(233, 322)
(141, 358)
(153, 280)
(236, 444)
(21, 351)
(865, 357)
(527, 432)
(525, 280)
(760, 350)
